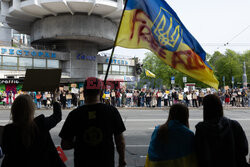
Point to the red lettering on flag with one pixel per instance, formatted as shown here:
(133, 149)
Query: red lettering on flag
(145, 34)
(194, 62)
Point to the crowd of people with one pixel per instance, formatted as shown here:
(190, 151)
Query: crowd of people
(44, 99)
(66, 98)
(138, 98)
(93, 129)
(160, 98)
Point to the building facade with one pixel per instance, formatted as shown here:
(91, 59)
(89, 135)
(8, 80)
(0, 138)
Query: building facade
(15, 61)
(65, 34)
(80, 29)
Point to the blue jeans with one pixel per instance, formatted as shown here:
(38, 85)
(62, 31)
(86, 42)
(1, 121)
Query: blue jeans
(118, 102)
(129, 102)
(10, 101)
(68, 103)
(142, 102)
(38, 104)
(81, 102)
(159, 102)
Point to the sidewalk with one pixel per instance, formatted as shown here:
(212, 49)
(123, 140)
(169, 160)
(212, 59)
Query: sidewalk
(140, 108)
(166, 108)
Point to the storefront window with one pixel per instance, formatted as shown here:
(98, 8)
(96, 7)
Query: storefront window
(100, 68)
(11, 3)
(105, 67)
(26, 62)
(9, 68)
(9, 61)
(130, 70)
(53, 63)
(123, 69)
(40, 63)
(23, 68)
(115, 69)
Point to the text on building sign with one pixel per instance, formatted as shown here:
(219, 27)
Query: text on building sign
(115, 61)
(20, 52)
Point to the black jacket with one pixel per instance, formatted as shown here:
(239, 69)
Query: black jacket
(221, 143)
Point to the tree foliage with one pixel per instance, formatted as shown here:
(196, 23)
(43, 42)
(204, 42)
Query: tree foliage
(229, 64)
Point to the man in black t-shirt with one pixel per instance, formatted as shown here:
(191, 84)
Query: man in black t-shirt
(90, 129)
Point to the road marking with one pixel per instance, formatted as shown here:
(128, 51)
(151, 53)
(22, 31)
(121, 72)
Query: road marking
(193, 119)
(143, 156)
(4, 121)
(143, 120)
(137, 145)
(151, 120)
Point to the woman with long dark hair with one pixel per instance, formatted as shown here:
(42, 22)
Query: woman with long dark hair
(27, 141)
(172, 144)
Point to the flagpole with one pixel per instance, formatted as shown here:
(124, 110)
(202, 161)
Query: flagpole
(113, 49)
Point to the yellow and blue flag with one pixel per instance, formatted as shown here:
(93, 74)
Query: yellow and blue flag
(178, 150)
(153, 25)
(149, 73)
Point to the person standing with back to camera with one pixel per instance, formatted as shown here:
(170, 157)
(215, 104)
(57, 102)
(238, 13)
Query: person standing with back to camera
(26, 141)
(172, 144)
(91, 128)
(219, 140)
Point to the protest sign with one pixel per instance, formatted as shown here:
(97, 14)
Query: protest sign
(68, 96)
(66, 88)
(42, 79)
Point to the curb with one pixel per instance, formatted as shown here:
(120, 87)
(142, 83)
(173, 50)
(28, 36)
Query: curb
(140, 108)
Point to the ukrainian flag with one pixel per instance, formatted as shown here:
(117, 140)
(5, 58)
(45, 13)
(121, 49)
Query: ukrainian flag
(177, 151)
(153, 25)
(149, 73)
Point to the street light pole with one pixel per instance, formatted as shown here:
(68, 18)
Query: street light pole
(244, 77)
(223, 78)
(232, 82)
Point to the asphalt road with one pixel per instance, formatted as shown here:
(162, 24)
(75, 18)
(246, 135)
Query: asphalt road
(140, 124)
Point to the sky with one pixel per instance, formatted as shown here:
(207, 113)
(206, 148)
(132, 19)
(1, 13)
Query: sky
(212, 22)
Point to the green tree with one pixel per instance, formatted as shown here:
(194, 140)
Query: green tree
(229, 65)
(215, 57)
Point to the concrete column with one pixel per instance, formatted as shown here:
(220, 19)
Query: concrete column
(4, 8)
(82, 63)
(5, 33)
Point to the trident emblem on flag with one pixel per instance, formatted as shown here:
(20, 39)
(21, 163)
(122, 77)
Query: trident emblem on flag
(167, 30)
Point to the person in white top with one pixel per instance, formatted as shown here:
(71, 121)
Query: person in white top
(159, 96)
(166, 100)
(129, 98)
(154, 101)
